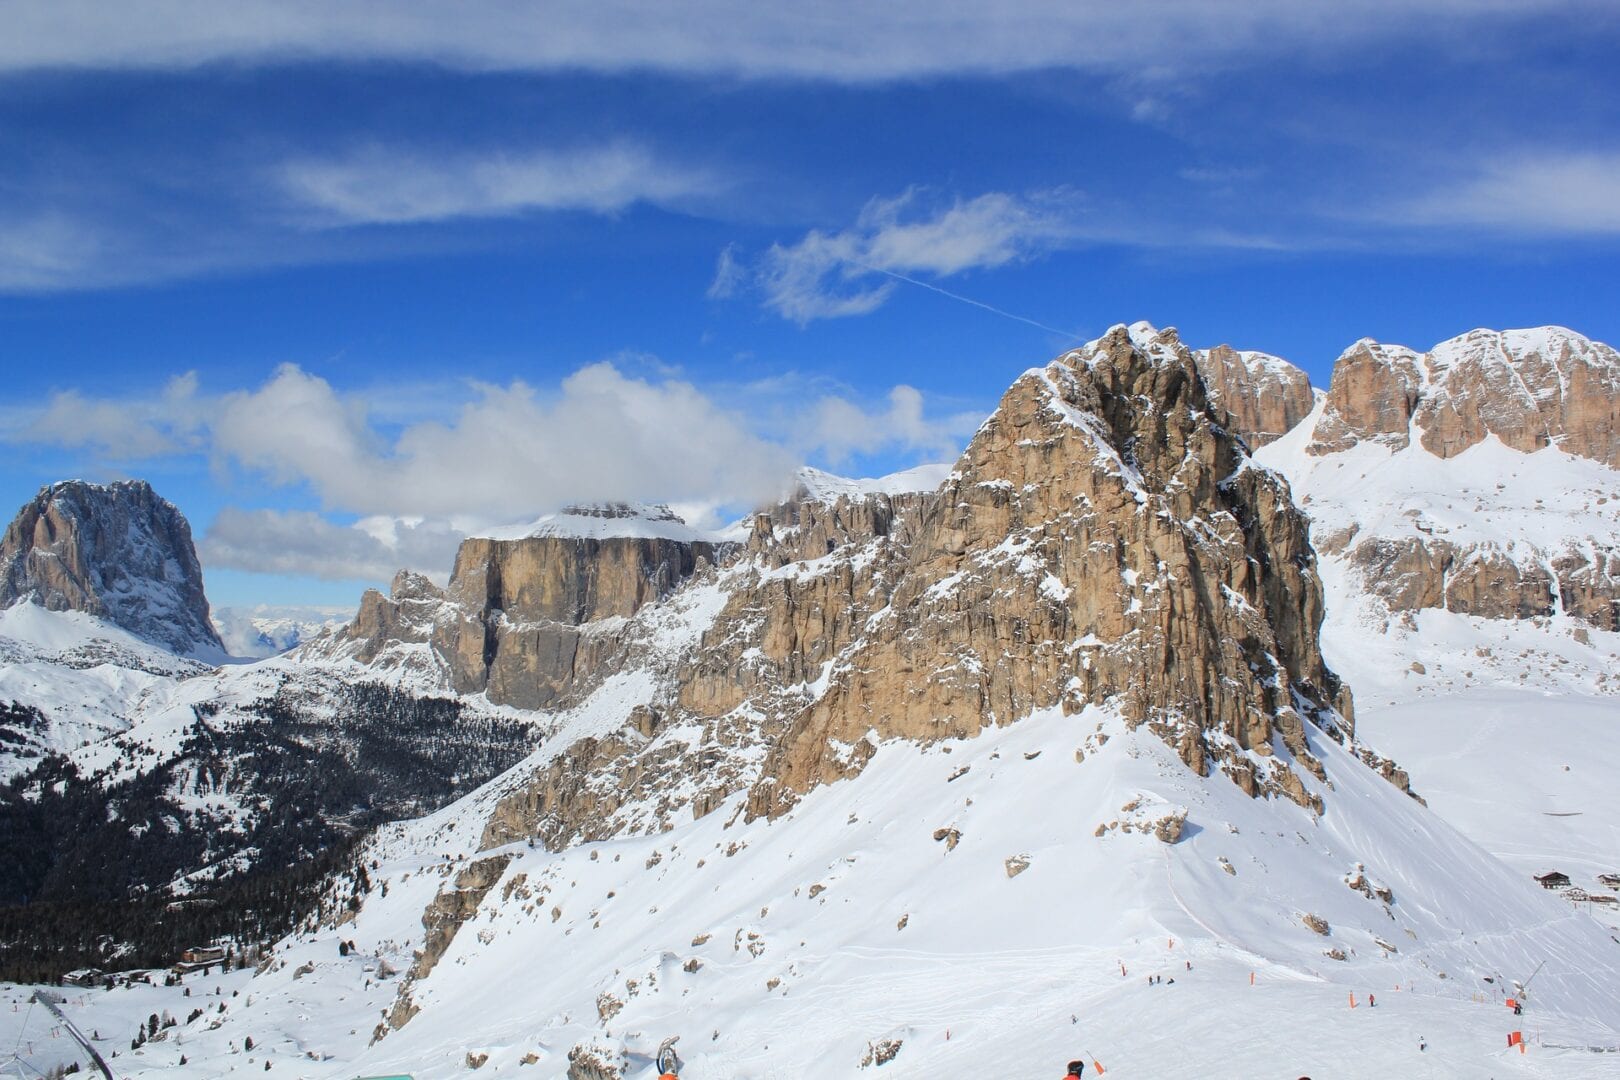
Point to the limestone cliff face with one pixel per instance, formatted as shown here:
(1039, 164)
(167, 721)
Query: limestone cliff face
(1103, 540)
(116, 551)
(1413, 573)
(1530, 388)
(1265, 395)
(1489, 538)
(522, 619)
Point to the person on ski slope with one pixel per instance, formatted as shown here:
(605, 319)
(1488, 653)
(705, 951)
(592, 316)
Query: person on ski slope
(1075, 1069)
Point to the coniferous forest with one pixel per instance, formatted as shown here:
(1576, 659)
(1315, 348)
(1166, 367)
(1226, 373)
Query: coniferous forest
(111, 870)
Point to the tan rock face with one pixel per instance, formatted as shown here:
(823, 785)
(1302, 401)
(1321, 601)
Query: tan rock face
(1104, 539)
(516, 619)
(1529, 388)
(1061, 565)
(1411, 574)
(1266, 396)
(1372, 395)
(116, 551)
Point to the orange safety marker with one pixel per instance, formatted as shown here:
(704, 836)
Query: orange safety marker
(1097, 1065)
(1251, 978)
(1352, 1000)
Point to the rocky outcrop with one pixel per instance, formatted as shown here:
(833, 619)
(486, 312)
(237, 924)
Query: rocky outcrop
(1266, 396)
(1410, 574)
(522, 619)
(1530, 388)
(450, 910)
(1103, 540)
(115, 551)
(1372, 395)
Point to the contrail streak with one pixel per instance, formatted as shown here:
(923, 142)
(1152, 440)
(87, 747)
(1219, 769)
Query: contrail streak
(1068, 334)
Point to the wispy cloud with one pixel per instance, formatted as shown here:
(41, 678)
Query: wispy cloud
(1524, 191)
(379, 185)
(852, 272)
(847, 40)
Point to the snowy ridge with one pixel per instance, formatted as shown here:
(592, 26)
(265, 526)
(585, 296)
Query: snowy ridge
(600, 521)
(827, 488)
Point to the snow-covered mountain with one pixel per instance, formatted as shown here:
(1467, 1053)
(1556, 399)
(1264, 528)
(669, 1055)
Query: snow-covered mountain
(115, 551)
(1465, 511)
(933, 773)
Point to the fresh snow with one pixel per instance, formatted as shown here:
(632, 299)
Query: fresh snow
(975, 971)
(827, 488)
(607, 520)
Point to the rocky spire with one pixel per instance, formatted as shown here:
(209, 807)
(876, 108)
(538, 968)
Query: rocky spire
(116, 551)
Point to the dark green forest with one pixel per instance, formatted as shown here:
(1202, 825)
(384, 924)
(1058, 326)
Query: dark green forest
(92, 858)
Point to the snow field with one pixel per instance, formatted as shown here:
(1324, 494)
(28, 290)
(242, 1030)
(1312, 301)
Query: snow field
(790, 985)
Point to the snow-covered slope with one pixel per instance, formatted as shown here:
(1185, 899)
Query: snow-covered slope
(891, 909)
(1470, 605)
(85, 678)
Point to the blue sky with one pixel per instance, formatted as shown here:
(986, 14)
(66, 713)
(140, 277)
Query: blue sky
(347, 281)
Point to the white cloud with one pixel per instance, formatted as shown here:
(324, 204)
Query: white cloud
(393, 186)
(838, 428)
(846, 40)
(502, 454)
(305, 544)
(1526, 191)
(830, 275)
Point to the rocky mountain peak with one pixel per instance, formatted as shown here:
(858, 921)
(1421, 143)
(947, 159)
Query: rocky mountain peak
(1265, 395)
(1545, 386)
(116, 551)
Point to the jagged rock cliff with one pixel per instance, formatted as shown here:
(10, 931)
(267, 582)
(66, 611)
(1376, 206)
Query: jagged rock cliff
(1476, 478)
(1266, 395)
(115, 551)
(523, 618)
(1534, 388)
(1103, 540)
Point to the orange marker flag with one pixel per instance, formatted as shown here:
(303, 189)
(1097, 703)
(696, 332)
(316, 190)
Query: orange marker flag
(1251, 978)
(1097, 1065)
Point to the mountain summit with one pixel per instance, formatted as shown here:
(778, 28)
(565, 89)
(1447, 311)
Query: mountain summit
(117, 551)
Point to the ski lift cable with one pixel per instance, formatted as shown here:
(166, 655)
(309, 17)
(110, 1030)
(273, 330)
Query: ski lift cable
(50, 1002)
(23, 1030)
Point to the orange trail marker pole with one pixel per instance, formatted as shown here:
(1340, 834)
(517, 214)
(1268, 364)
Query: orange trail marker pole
(1352, 1000)
(1251, 978)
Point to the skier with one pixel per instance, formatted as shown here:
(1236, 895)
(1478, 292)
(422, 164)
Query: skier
(1075, 1069)
(1371, 1001)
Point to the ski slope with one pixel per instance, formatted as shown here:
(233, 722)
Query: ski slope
(975, 971)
